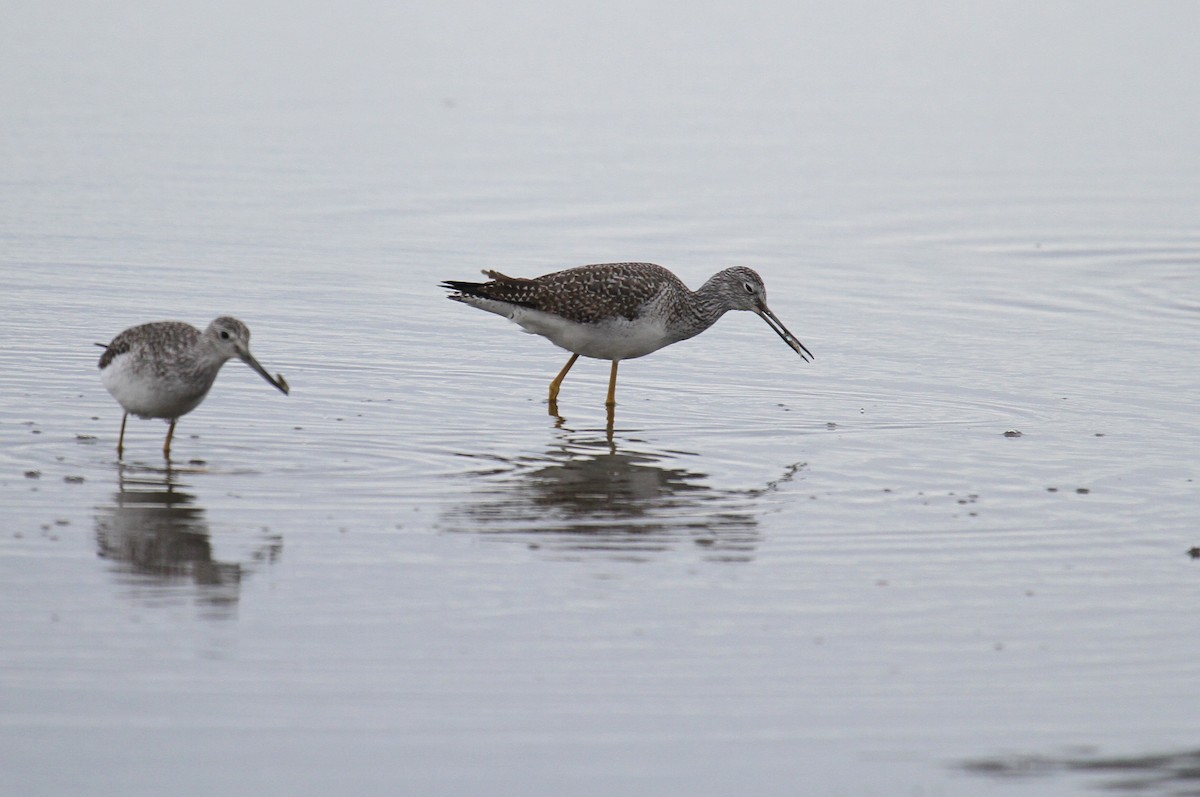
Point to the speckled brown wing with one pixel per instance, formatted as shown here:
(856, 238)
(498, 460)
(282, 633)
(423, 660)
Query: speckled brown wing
(585, 294)
(157, 336)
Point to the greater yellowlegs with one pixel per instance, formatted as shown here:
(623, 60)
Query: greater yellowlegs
(618, 311)
(164, 369)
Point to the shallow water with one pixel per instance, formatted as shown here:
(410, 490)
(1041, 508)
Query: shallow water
(948, 557)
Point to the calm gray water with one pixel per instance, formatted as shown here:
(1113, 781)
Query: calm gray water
(847, 577)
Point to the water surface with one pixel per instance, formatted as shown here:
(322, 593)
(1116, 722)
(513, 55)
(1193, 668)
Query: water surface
(948, 557)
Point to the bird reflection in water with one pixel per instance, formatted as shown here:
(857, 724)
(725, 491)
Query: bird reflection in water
(1171, 772)
(589, 496)
(158, 538)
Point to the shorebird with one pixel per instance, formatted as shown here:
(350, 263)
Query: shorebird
(618, 311)
(164, 369)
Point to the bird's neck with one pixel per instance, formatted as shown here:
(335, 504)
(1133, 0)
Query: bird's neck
(211, 357)
(709, 304)
(703, 309)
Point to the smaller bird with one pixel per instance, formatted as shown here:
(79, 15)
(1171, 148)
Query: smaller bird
(164, 369)
(618, 311)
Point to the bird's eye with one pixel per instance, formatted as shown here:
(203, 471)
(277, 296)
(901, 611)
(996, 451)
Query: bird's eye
(749, 288)
(224, 335)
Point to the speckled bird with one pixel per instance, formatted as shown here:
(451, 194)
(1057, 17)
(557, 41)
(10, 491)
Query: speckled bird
(164, 369)
(618, 311)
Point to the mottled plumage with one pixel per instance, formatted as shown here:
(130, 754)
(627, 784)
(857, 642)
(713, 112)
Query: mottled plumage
(585, 295)
(618, 311)
(165, 369)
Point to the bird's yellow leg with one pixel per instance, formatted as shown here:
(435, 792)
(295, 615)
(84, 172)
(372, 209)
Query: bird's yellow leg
(121, 439)
(557, 383)
(167, 444)
(612, 386)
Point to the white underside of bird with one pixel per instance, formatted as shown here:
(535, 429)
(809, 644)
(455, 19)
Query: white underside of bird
(611, 339)
(151, 395)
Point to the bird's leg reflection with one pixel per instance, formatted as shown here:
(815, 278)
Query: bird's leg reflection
(610, 412)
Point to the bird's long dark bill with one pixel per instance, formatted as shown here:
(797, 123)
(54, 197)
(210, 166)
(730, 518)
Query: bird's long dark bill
(782, 331)
(279, 383)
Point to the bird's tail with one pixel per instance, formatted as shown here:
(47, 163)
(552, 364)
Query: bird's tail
(501, 287)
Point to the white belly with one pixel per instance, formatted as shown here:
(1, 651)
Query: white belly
(151, 395)
(617, 339)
